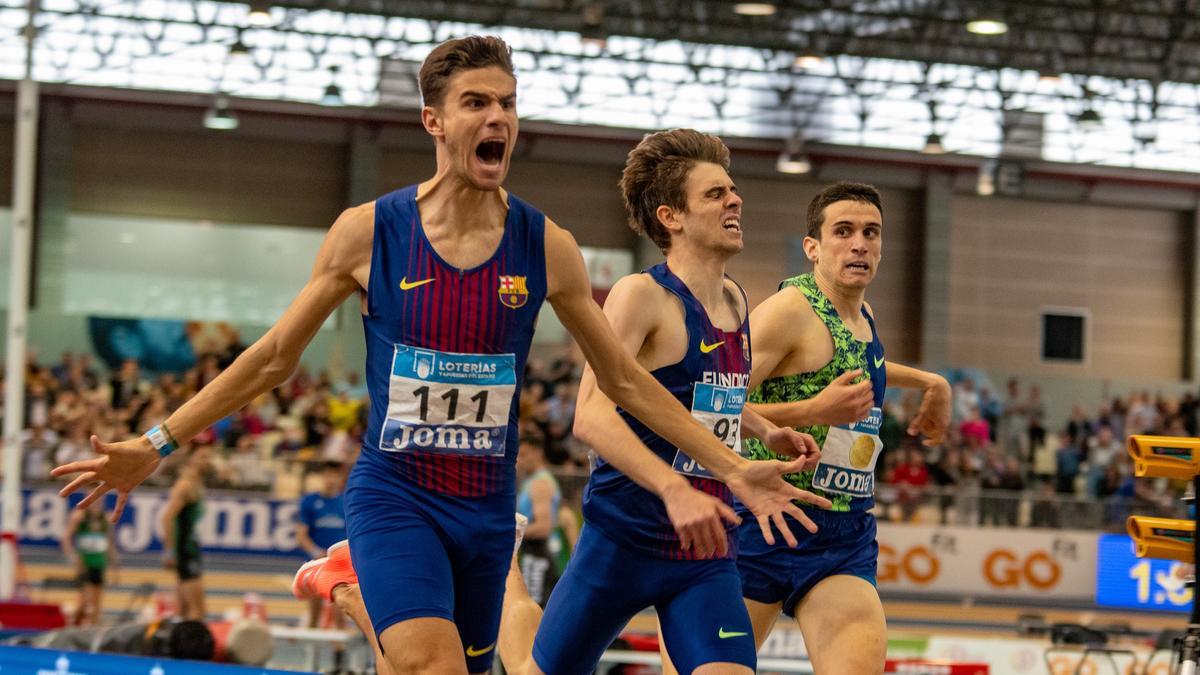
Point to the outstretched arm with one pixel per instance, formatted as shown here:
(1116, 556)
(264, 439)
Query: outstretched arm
(758, 485)
(342, 267)
(634, 309)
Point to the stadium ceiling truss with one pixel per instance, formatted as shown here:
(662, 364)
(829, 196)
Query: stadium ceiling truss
(1098, 81)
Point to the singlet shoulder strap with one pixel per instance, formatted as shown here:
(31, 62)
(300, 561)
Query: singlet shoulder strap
(818, 301)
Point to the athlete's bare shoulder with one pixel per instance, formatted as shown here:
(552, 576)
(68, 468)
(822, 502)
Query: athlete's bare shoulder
(347, 246)
(787, 306)
(639, 293)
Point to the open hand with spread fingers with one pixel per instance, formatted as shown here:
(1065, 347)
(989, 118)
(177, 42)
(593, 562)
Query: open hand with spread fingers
(760, 486)
(119, 466)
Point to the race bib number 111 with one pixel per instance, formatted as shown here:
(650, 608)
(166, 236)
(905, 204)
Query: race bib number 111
(449, 403)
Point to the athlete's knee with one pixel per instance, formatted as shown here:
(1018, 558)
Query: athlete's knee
(423, 661)
(723, 669)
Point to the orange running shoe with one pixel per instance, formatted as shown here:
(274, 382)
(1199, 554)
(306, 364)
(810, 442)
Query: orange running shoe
(317, 578)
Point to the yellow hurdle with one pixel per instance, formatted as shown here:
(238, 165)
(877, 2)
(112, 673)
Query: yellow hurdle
(1164, 456)
(1167, 538)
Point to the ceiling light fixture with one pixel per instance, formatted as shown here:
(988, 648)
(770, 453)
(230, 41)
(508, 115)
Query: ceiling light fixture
(809, 58)
(933, 145)
(754, 8)
(333, 93)
(1049, 75)
(1089, 120)
(219, 117)
(239, 53)
(793, 160)
(260, 13)
(987, 27)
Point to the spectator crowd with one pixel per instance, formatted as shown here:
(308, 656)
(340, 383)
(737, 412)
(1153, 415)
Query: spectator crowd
(1001, 463)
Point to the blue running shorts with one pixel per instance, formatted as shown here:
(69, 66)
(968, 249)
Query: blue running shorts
(699, 605)
(420, 553)
(844, 544)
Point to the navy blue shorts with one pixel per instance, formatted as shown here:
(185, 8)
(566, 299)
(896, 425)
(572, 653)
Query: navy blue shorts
(844, 544)
(699, 605)
(421, 554)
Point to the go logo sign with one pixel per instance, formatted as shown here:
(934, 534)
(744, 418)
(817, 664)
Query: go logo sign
(1003, 568)
(918, 565)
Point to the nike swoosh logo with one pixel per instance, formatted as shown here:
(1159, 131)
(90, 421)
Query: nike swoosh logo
(405, 285)
(708, 348)
(724, 635)
(472, 652)
(878, 362)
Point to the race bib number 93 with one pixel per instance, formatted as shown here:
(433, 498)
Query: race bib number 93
(449, 403)
(720, 409)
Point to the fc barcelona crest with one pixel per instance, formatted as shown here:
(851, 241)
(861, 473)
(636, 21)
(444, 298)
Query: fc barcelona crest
(513, 293)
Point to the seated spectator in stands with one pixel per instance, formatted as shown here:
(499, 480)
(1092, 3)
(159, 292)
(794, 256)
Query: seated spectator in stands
(316, 424)
(1103, 447)
(1044, 511)
(1143, 417)
(912, 477)
(1079, 427)
(944, 474)
(38, 401)
(1067, 460)
(1187, 410)
(1175, 426)
(891, 428)
(62, 370)
(246, 466)
(38, 446)
(974, 429)
(68, 410)
(75, 446)
(991, 479)
(293, 438)
(343, 410)
(126, 383)
(965, 399)
(355, 387)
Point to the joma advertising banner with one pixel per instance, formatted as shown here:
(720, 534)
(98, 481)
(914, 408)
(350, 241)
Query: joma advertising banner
(230, 524)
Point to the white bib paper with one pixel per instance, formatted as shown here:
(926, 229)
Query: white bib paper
(450, 403)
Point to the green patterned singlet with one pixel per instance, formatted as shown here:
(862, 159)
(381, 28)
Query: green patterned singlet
(849, 353)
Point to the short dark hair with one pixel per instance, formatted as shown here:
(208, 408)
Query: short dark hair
(839, 192)
(468, 53)
(656, 171)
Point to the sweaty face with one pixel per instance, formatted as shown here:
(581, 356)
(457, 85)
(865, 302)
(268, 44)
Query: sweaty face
(851, 244)
(477, 119)
(713, 220)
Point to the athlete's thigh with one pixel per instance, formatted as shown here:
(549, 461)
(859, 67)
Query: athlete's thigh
(844, 626)
(601, 590)
(704, 620)
(480, 563)
(403, 566)
(763, 616)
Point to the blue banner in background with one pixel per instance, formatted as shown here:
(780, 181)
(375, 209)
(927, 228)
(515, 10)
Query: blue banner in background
(1127, 581)
(30, 661)
(231, 524)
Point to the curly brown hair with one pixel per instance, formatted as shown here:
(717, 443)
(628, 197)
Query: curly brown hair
(656, 171)
(468, 53)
